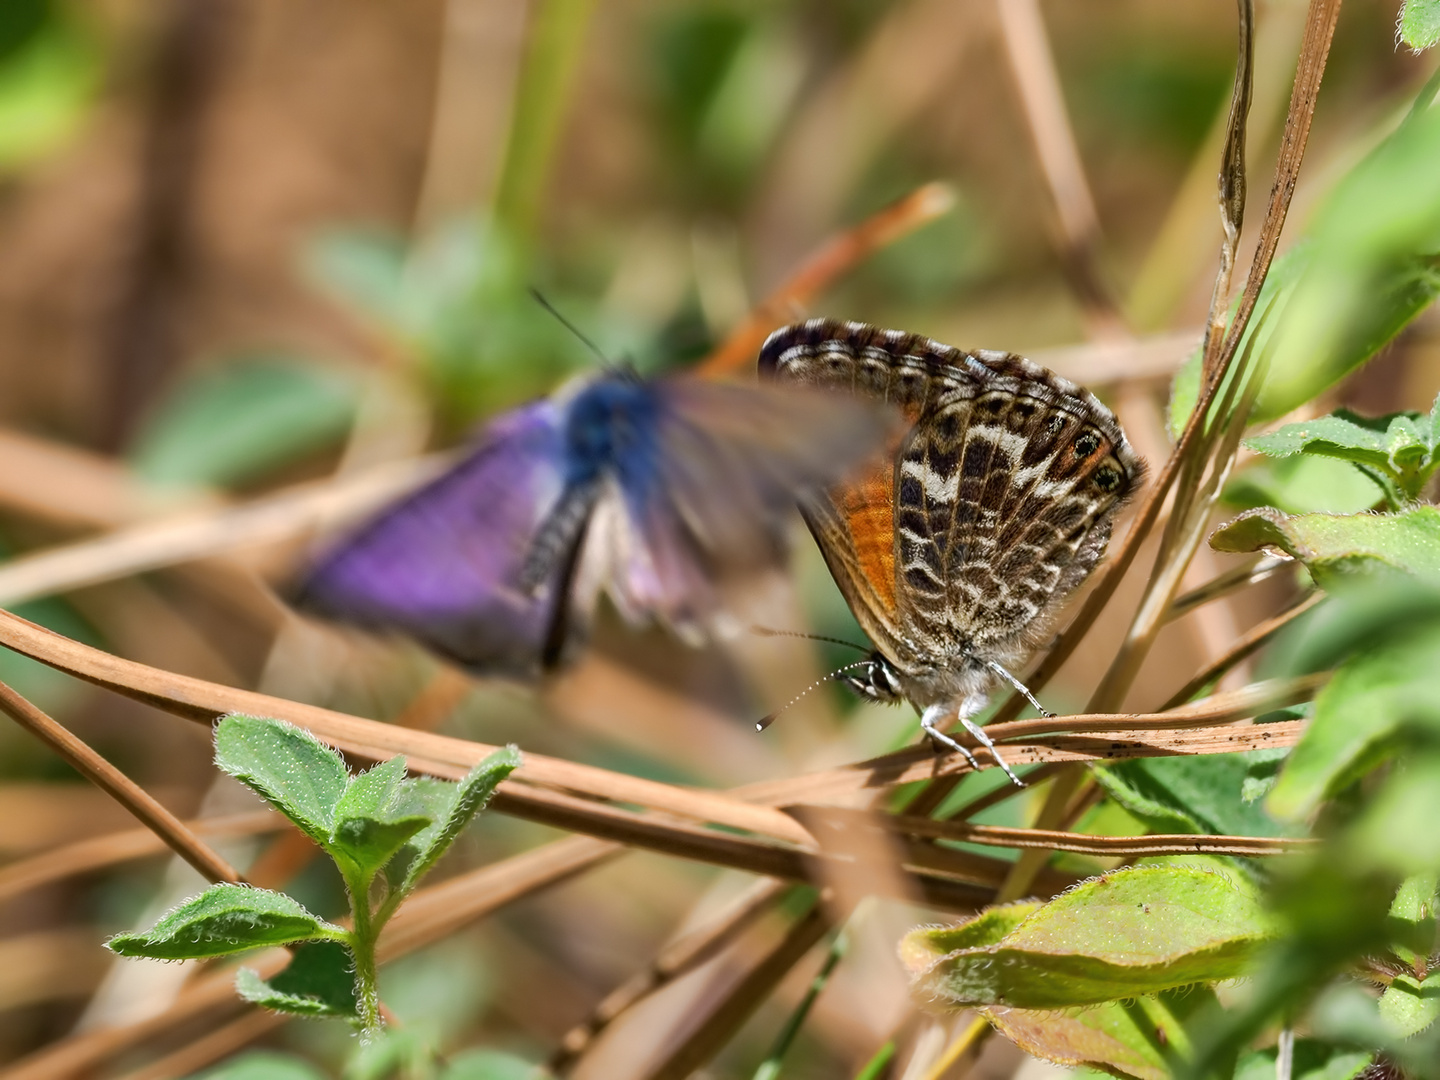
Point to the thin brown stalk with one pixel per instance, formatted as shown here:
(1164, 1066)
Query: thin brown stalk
(835, 257)
(1005, 836)
(1247, 645)
(210, 1047)
(87, 856)
(1251, 572)
(680, 955)
(1032, 63)
(86, 761)
(202, 533)
(450, 758)
(739, 1001)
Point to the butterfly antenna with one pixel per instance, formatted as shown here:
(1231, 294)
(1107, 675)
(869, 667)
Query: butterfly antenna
(765, 722)
(563, 321)
(765, 631)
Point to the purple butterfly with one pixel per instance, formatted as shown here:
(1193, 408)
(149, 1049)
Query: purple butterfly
(658, 493)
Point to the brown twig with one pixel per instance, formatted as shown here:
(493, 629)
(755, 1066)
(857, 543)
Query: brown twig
(836, 257)
(86, 761)
(738, 1002)
(1032, 63)
(680, 955)
(97, 853)
(1250, 573)
(1252, 640)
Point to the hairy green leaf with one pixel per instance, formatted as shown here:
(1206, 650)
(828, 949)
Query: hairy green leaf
(1117, 1038)
(371, 822)
(1191, 794)
(474, 792)
(1397, 451)
(1420, 24)
(1303, 485)
(224, 919)
(318, 981)
(1409, 1006)
(1133, 932)
(287, 766)
(1336, 546)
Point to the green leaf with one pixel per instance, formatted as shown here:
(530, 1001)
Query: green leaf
(318, 981)
(1399, 447)
(1357, 715)
(488, 1065)
(224, 919)
(1192, 794)
(1313, 1060)
(369, 827)
(1408, 1006)
(1303, 485)
(1336, 546)
(263, 1065)
(1367, 267)
(1413, 914)
(1112, 1037)
(287, 766)
(1420, 24)
(474, 792)
(233, 425)
(46, 87)
(1136, 931)
(1384, 836)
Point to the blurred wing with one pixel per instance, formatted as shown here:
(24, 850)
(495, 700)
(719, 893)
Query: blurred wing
(736, 459)
(444, 564)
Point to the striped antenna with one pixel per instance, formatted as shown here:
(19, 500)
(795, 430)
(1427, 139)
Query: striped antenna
(764, 723)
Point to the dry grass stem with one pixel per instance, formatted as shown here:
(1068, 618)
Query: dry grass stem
(1251, 641)
(86, 761)
(87, 856)
(1251, 572)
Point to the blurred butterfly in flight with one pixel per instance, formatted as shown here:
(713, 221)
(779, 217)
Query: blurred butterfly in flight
(957, 545)
(660, 493)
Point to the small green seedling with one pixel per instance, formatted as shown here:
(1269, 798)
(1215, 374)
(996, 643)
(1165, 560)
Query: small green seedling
(383, 830)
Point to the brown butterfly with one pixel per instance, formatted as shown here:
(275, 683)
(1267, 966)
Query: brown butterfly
(957, 546)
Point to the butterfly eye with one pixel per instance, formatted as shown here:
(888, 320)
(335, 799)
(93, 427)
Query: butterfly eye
(1107, 479)
(1087, 444)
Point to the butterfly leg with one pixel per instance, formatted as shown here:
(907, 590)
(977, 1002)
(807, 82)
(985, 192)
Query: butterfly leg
(989, 744)
(1000, 670)
(939, 738)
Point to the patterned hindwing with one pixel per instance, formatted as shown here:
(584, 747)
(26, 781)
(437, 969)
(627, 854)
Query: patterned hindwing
(983, 517)
(1005, 495)
(854, 522)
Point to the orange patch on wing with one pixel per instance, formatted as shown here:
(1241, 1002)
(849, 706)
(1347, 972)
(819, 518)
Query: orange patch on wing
(868, 510)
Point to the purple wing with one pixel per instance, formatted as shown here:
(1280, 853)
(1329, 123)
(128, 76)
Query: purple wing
(443, 564)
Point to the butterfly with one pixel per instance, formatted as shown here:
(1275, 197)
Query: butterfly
(659, 493)
(957, 545)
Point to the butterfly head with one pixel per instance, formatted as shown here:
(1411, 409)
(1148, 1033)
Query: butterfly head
(877, 679)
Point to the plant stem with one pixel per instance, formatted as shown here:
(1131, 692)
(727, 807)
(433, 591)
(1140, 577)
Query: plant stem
(362, 949)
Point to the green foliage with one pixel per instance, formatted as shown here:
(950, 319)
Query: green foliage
(1336, 546)
(49, 73)
(1420, 23)
(1302, 484)
(1313, 1060)
(457, 304)
(1137, 931)
(1399, 452)
(1369, 264)
(376, 825)
(233, 425)
(222, 920)
(1202, 794)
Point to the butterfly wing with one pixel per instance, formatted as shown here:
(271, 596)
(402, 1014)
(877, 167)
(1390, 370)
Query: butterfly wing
(1006, 489)
(704, 476)
(444, 564)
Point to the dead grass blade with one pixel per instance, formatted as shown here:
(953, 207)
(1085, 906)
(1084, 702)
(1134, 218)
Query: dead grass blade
(1249, 573)
(680, 955)
(735, 1003)
(87, 856)
(1251, 641)
(86, 761)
